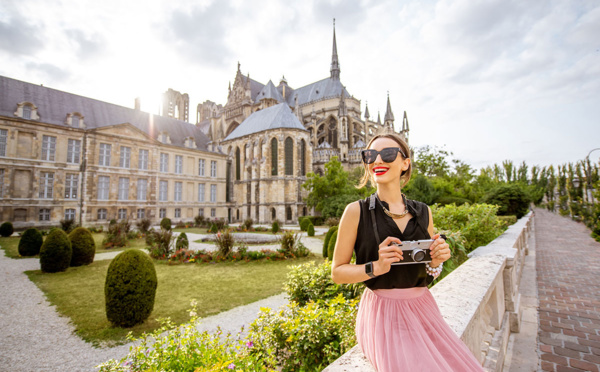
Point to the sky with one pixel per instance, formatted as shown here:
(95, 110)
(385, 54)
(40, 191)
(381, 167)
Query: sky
(486, 80)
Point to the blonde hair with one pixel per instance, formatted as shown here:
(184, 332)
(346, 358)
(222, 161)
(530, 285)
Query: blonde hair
(404, 177)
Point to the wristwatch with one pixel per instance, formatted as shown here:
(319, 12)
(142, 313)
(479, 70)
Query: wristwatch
(369, 269)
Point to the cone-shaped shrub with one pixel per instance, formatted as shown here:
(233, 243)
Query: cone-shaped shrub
(30, 242)
(130, 288)
(327, 238)
(55, 253)
(304, 224)
(165, 223)
(311, 230)
(275, 227)
(182, 242)
(331, 246)
(84, 248)
(6, 229)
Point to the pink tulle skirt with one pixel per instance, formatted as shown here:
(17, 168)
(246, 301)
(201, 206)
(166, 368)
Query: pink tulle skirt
(403, 330)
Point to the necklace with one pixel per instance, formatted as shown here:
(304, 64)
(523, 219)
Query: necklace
(392, 214)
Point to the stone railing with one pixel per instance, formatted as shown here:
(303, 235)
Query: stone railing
(324, 155)
(480, 300)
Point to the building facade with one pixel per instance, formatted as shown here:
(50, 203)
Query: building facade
(64, 156)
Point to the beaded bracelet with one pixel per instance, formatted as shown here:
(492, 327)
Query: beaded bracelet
(434, 271)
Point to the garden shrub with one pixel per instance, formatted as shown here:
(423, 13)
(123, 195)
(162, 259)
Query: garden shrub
(307, 282)
(189, 349)
(220, 224)
(307, 338)
(331, 245)
(304, 224)
(83, 246)
(511, 198)
(55, 253)
(116, 235)
(159, 243)
(143, 225)
(288, 243)
(31, 242)
(182, 242)
(275, 227)
(247, 224)
(310, 230)
(507, 220)
(213, 228)
(315, 220)
(180, 225)
(199, 221)
(443, 200)
(477, 223)
(130, 288)
(225, 241)
(68, 225)
(6, 229)
(326, 241)
(165, 224)
(332, 221)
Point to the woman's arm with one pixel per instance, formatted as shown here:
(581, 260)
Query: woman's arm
(341, 269)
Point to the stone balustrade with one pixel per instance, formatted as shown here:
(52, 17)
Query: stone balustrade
(480, 300)
(324, 155)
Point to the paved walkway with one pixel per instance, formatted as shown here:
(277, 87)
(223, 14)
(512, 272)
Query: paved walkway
(568, 276)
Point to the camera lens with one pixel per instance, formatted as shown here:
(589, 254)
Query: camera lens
(418, 255)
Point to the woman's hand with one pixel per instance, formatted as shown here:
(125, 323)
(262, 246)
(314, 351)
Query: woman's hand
(440, 251)
(388, 254)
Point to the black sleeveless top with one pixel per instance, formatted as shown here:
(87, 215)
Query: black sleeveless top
(366, 247)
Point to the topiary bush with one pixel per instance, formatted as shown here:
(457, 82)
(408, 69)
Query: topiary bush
(143, 225)
(31, 242)
(130, 288)
(83, 246)
(165, 224)
(182, 242)
(6, 229)
(275, 227)
(511, 198)
(304, 224)
(331, 245)
(310, 230)
(55, 253)
(326, 241)
(68, 225)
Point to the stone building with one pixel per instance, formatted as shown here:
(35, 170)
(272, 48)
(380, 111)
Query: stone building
(64, 156)
(330, 114)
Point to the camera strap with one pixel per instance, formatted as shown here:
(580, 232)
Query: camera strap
(372, 201)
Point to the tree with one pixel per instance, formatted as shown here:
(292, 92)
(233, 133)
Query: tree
(431, 161)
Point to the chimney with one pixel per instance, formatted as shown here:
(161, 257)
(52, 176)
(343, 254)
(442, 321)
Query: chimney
(138, 103)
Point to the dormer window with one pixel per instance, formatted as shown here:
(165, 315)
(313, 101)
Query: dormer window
(75, 120)
(190, 143)
(27, 110)
(164, 137)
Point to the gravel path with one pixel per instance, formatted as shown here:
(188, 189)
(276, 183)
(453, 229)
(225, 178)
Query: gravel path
(35, 338)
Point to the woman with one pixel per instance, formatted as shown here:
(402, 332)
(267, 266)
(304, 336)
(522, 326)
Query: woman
(399, 326)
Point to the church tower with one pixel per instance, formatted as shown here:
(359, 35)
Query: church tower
(388, 119)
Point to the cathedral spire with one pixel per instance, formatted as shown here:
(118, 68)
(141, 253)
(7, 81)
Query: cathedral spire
(389, 116)
(367, 115)
(335, 64)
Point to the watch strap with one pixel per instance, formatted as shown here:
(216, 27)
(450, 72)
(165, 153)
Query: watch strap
(369, 269)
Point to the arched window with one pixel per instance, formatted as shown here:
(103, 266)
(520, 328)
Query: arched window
(302, 158)
(237, 163)
(274, 157)
(289, 156)
(273, 214)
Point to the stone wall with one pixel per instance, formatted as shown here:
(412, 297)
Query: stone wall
(480, 300)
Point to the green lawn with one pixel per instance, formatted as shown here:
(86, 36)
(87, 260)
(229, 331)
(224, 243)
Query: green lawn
(78, 293)
(10, 246)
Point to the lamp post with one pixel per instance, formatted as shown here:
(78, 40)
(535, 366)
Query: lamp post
(588, 177)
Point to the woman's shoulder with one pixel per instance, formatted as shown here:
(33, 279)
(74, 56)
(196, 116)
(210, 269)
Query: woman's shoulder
(418, 205)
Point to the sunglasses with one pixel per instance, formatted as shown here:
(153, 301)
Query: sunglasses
(388, 155)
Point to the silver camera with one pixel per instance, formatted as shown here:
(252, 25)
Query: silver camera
(415, 252)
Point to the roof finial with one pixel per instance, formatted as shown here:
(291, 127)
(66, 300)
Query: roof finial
(389, 115)
(335, 65)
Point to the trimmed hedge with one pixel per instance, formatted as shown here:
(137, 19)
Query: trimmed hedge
(311, 230)
(304, 224)
(83, 245)
(327, 238)
(275, 227)
(512, 199)
(165, 224)
(331, 246)
(55, 253)
(31, 242)
(182, 242)
(6, 229)
(130, 288)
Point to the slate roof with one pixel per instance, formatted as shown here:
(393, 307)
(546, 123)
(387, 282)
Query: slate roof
(269, 91)
(274, 117)
(255, 87)
(326, 88)
(54, 105)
